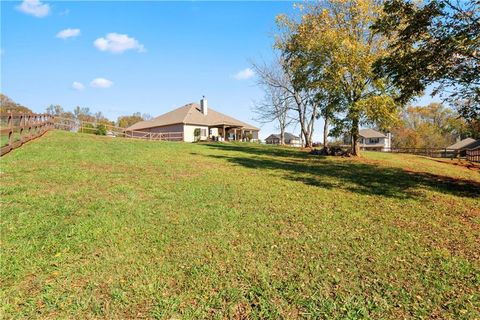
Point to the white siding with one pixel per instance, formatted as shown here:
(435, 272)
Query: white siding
(189, 135)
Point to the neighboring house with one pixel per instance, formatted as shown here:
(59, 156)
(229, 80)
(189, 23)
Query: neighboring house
(372, 140)
(289, 139)
(467, 143)
(462, 146)
(180, 124)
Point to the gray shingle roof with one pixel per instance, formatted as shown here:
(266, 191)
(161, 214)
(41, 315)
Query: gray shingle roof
(370, 133)
(463, 144)
(191, 114)
(287, 136)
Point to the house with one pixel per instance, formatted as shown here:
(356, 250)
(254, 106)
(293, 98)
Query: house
(289, 139)
(460, 148)
(464, 144)
(372, 140)
(181, 124)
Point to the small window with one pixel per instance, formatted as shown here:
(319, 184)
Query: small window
(374, 140)
(203, 132)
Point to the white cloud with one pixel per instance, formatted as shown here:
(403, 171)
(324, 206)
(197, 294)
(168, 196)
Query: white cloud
(35, 8)
(78, 86)
(101, 83)
(68, 33)
(244, 74)
(118, 43)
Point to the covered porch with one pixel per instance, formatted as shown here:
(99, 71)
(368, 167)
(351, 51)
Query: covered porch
(228, 132)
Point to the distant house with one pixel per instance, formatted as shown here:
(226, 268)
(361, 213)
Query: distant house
(467, 143)
(460, 147)
(181, 124)
(289, 139)
(372, 140)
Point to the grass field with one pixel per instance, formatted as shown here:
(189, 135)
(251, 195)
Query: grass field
(96, 227)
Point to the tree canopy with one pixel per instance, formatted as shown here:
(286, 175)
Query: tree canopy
(331, 50)
(437, 44)
(8, 105)
(432, 126)
(127, 121)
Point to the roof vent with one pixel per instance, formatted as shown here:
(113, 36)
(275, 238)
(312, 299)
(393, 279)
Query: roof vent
(204, 105)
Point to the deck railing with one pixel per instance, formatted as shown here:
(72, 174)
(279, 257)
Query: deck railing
(19, 128)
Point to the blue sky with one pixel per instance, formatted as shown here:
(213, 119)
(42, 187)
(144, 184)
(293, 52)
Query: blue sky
(124, 57)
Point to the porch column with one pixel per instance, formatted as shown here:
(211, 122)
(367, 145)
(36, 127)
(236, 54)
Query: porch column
(235, 134)
(224, 134)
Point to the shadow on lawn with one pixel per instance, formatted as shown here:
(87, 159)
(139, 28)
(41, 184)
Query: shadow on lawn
(356, 177)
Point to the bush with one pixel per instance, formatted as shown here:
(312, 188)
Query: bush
(101, 130)
(249, 136)
(197, 134)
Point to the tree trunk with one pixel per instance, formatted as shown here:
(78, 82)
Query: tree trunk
(355, 138)
(325, 132)
(282, 135)
(308, 139)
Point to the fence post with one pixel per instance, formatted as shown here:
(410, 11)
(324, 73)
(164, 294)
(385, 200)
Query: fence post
(10, 125)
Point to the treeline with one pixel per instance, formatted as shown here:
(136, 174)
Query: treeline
(8, 105)
(95, 120)
(432, 126)
(360, 63)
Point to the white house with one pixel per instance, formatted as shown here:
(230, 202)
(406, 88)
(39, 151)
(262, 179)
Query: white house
(372, 140)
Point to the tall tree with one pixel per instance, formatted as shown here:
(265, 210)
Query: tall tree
(83, 114)
(296, 97)
(276, 104)
(333, 49)
(435, 43)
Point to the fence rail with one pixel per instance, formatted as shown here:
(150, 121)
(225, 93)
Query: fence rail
(473, 155)
(18, 128)
(91, 127)
(429, 152)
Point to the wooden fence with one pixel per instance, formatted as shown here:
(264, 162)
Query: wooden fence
(429, 152)
(18, 128)
(114, 131)
(473, 155)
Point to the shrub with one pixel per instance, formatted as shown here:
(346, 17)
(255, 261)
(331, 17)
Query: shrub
(197, 134)
(101, 130)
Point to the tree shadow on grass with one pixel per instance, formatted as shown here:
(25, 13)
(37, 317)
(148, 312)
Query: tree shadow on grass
(361, 178)
(263, 150)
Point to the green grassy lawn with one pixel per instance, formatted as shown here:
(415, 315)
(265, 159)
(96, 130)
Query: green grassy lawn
(96, 227)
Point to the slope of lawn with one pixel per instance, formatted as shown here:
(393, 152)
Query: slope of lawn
(96, 227)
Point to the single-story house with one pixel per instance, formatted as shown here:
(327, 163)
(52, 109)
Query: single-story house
(467, 143)
(289, 139)
(372, 140)
(461, 147)
(181, 123)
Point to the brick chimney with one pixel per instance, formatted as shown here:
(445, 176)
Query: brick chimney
(204, 105)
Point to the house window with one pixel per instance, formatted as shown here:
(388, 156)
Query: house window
(374, 140)
(203, 132)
